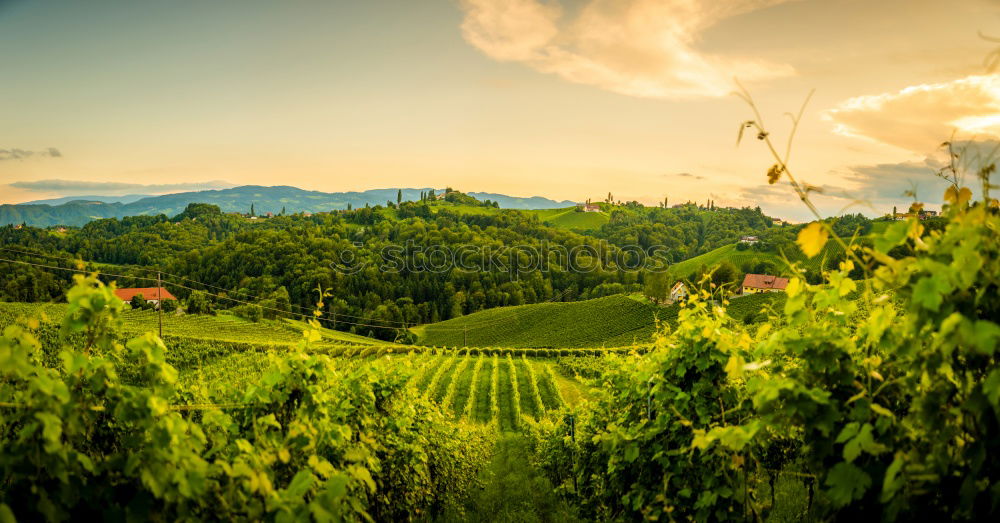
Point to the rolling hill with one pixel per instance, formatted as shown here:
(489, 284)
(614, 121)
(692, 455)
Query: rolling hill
(740, 259)
(610, 322)
(237, 199)
(570, 218)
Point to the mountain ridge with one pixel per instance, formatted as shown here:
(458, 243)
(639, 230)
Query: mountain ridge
(77, 211)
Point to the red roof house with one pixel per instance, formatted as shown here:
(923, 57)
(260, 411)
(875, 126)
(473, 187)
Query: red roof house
(763, 282)
(152, 294)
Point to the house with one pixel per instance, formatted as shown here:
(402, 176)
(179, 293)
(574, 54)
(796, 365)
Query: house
(150, 294)
(270, 215)
(590, 207)
(748, 239)
(677, 292)
(777, 222)
(18, 227)
(753, 283)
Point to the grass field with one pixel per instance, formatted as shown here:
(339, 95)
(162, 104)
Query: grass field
(570, 218)
(729, 253)
(612, 321)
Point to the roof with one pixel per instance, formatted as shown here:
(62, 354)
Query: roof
(148, 293)
(764, 281)
(678, 286)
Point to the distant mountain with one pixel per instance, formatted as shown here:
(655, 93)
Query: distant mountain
(78, 211)
(516, 202)
(128, 198)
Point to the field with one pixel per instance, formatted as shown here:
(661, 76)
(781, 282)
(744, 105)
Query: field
(570, 218)
(212, 353)
(728, 253)
(612, 321)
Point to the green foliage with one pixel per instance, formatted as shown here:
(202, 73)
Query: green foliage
(198, 303)
(137, 302)
(611, 321)
(881, 394)
(169, 306)
(106, 434)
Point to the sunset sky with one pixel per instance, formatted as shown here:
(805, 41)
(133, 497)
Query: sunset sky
(568, 100)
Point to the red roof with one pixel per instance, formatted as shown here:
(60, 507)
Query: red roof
(764, 281)
(148, 293)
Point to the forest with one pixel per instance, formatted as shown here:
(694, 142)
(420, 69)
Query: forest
(281, 259)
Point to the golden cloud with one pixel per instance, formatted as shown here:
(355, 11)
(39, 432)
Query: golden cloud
(920, 117)
(642, 48)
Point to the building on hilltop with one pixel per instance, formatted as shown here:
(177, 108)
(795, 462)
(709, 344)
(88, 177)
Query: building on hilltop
(748, 239)
(151, 294)
(589, 207)
(753, 283)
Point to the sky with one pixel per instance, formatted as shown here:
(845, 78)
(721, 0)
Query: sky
(568, 100)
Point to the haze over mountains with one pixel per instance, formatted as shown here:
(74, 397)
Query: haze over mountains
(76, 211)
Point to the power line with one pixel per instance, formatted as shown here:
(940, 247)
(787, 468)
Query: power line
(218, 296)
(398, 324)
(334, 319)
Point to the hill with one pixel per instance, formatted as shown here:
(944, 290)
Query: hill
(128, 198)
(743, 260)
(572, 219)
(610, 321)
(195, 327)
(79, 211)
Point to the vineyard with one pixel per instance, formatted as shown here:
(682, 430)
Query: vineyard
(821, 403)
(612, 321)
(729, 253)
(572, 219)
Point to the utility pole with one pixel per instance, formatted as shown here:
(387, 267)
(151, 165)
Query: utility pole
(159, 302)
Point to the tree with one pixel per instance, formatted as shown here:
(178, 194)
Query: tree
(168, 305)
(138, 302)
(348, 206)
(725, 273)
(282, 210)
(765, 267)
(399, 196)
(198, 303)
(252, 212)
(656, 286)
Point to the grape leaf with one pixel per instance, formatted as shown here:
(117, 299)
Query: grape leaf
(812, 239)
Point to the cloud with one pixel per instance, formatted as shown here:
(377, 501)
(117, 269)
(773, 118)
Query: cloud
(643, 48)
(920, 117)
(74, 187)
(21, 154)
(874, 189)
(683, 175)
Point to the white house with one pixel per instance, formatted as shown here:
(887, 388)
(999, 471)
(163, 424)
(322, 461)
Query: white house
(678, 292)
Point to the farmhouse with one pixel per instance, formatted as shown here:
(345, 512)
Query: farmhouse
(753, 283)
(589, 207)
(678, 291)
(748, 239)
(150, 294)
